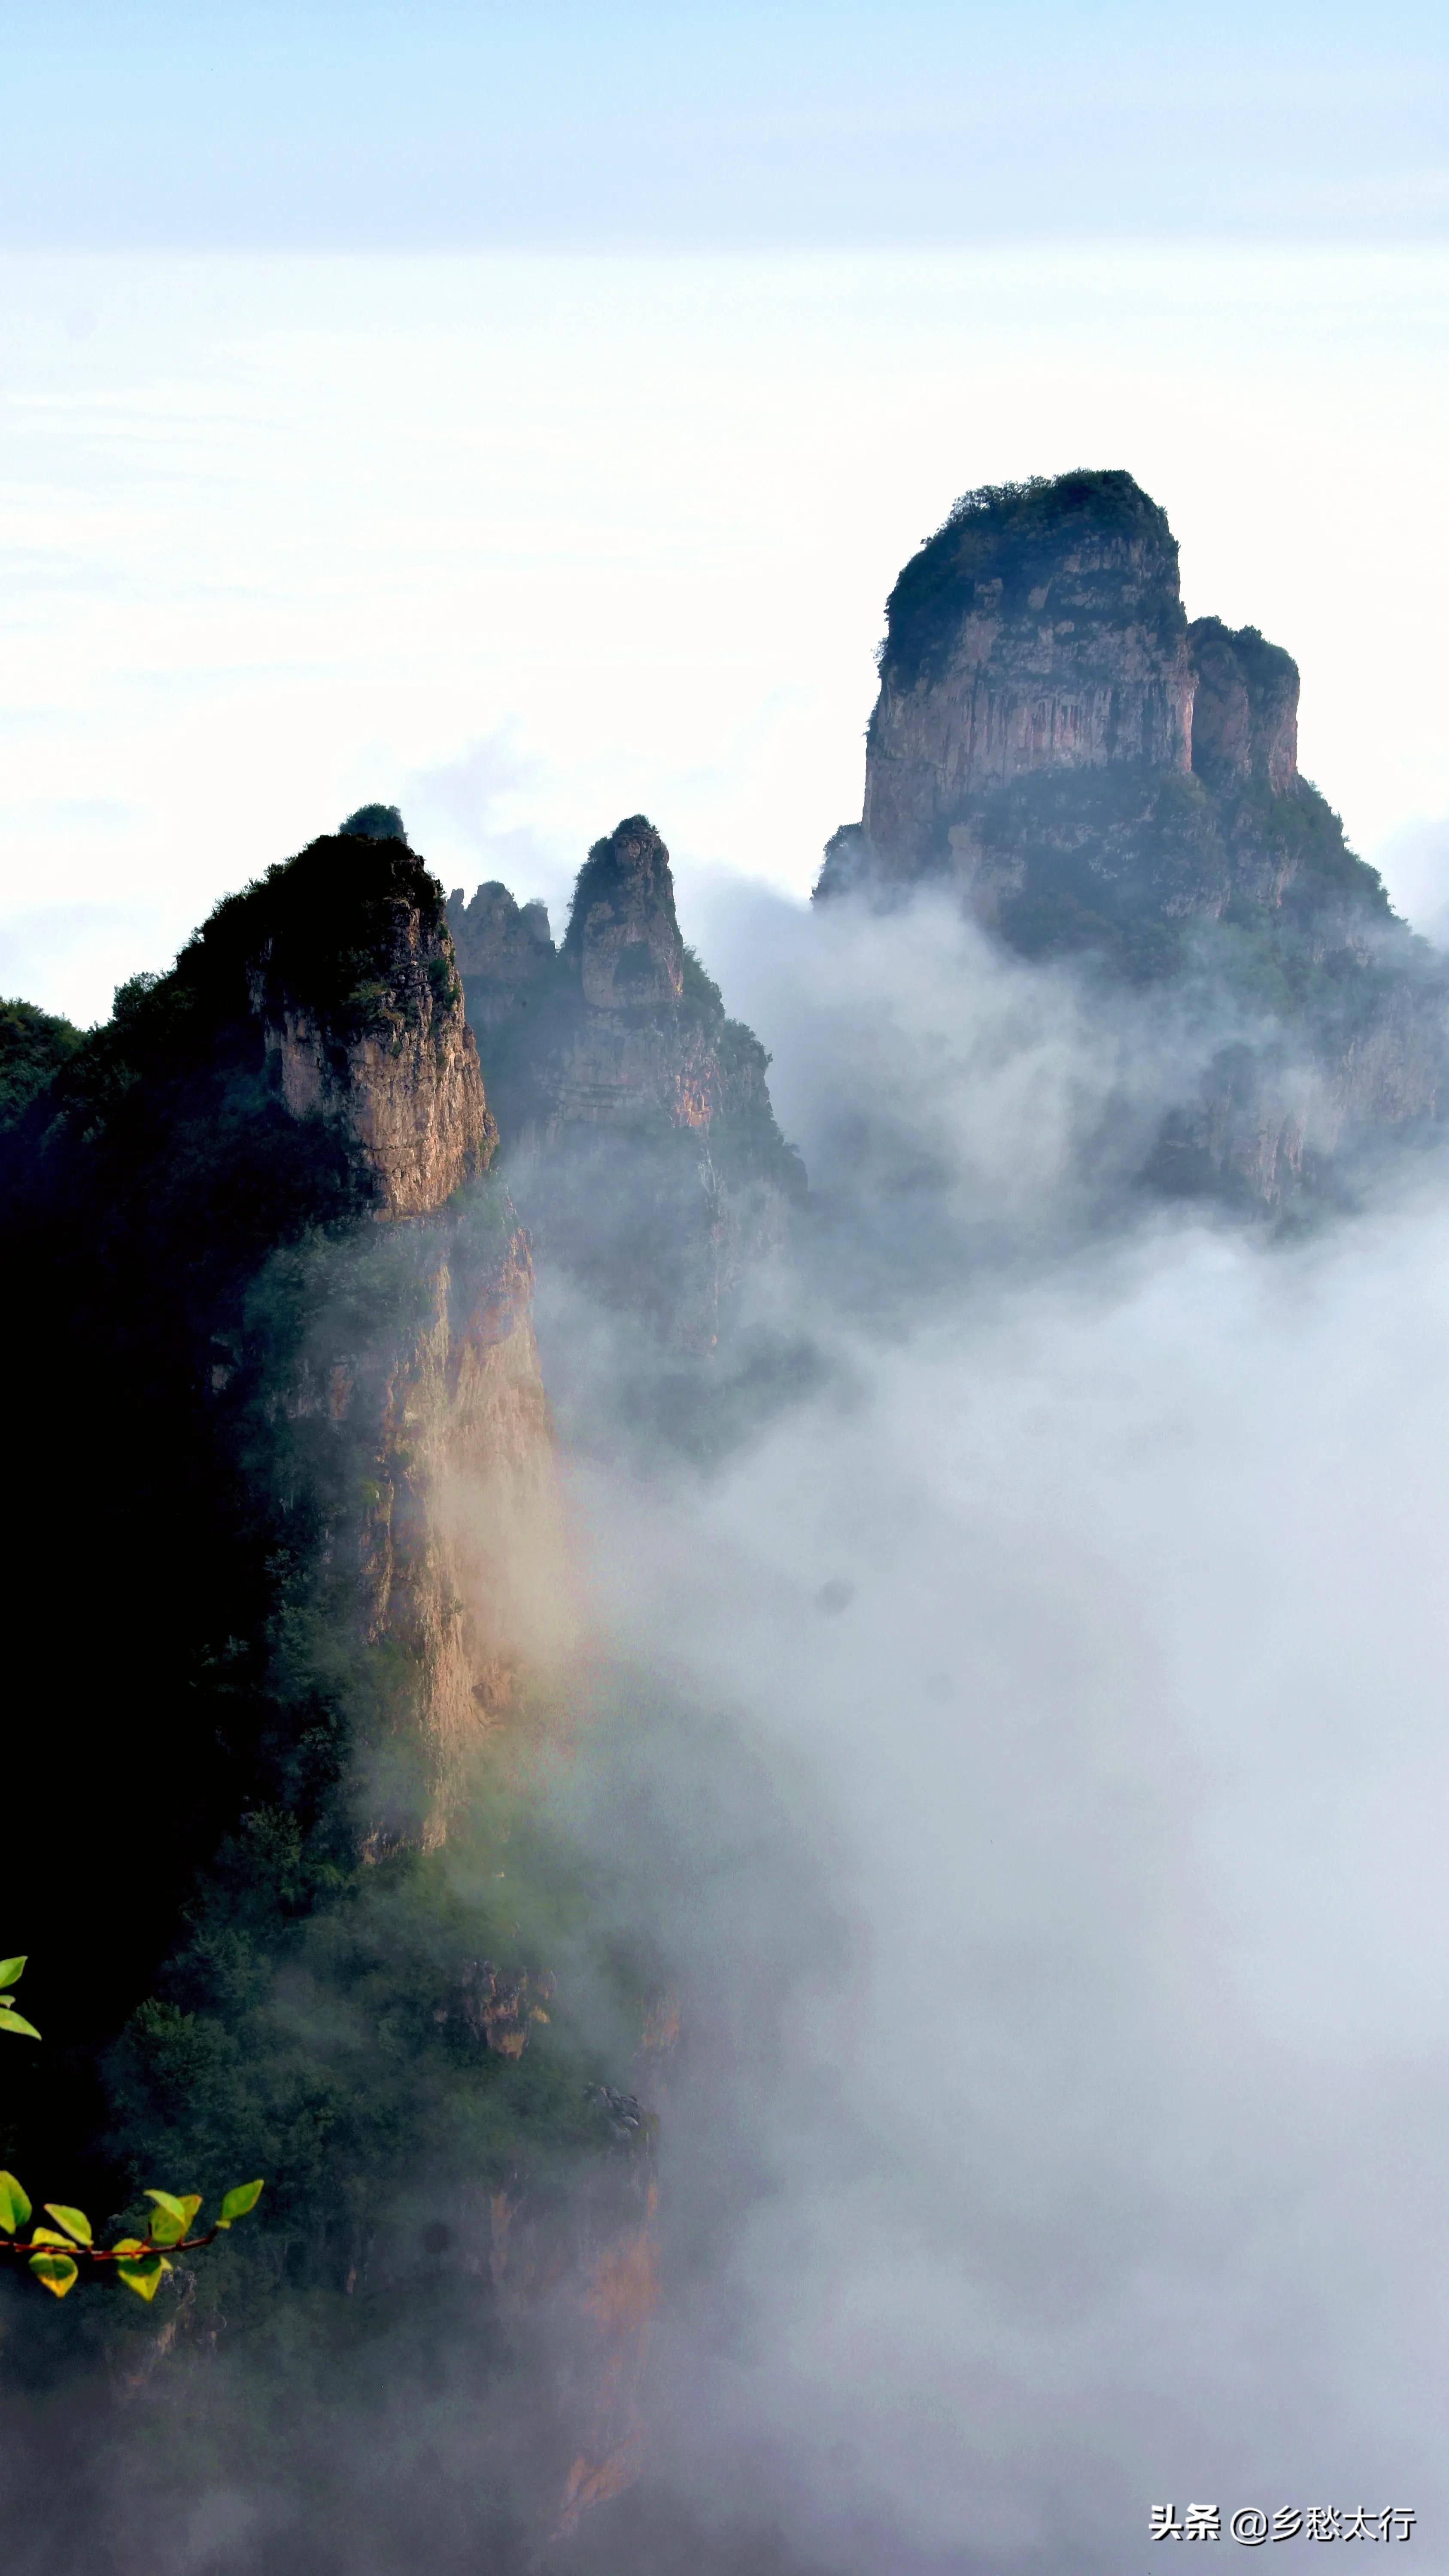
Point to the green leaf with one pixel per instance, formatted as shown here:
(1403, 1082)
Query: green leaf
(74, 2221)
(10, 1969)
(48, 2236)
(17, 2021)
(144, 2277)
(130, 2245)
(238, 2202)
(173, 2215)
(168, 2218)
(57, 2271)
(14, 2206)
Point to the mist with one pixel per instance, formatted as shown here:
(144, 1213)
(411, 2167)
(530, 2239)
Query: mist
(1063, 2129)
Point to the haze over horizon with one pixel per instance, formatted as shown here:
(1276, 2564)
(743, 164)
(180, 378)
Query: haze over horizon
(526, 418)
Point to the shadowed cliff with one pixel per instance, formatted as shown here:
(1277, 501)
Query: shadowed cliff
(284, 1523)
(277, 1424)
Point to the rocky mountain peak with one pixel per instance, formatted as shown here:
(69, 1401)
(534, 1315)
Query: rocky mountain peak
(1092, 775)
(635, 1114)
(623, 938)
(506, 946)
(349, 969)
(1053, 737)
(1040, 628)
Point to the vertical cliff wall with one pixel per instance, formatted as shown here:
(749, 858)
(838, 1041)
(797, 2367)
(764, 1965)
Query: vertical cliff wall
(288, 1535)
(277, 1317)
(1044, 635)
(458, 1528)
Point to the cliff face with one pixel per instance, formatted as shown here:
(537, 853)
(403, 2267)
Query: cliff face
(308, 1374)
(449, 1419)
(1095, 775)
(1045, 636)
(504, 949)
(361, 1019)
(635, 1115)
(288, 1536)
(1244, 708)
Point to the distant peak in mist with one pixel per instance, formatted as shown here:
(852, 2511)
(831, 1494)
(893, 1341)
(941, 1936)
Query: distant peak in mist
(635, 1114)
(1091, 776)
(374, 823)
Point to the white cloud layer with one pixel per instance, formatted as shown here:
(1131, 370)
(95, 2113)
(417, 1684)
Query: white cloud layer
(283, 535)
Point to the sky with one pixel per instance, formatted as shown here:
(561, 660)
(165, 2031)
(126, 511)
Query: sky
(827, 123)
(523, 416)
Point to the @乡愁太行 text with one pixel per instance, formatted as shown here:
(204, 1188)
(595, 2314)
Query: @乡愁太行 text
(1252, 2526)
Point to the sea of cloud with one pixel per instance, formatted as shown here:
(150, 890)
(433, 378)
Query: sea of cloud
(1064, 2129)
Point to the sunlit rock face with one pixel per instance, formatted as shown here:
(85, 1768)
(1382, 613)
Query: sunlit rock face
(337, 1293)
(635, 1115)
(351, 974)
(386, 1052)
(276, 1317)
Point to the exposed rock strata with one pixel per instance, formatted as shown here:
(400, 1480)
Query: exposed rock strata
(266, 1153)
(1095, 775)
(392, 1059)
(635, 1115)
(1244, 708)
(449, 1416)
(1049, 638)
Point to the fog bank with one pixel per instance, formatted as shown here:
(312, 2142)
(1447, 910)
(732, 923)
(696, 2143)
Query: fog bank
(1085, 1609)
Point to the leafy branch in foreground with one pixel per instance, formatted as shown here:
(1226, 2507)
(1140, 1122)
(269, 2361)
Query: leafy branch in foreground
(55, 2258)
(10, 1972)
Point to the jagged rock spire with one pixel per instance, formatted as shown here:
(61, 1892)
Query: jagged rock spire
(623, 938)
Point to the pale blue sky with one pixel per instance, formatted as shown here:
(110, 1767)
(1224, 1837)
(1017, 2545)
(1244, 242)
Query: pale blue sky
(643, 123)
